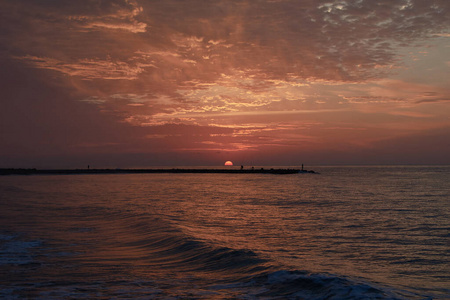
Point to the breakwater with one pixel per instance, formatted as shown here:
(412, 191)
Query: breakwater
(13, 171)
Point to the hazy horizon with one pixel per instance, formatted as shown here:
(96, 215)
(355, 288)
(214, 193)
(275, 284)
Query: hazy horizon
(313, 167)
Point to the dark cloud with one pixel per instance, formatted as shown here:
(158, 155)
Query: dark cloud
(312, 39)
(433, 100)
(341, 40)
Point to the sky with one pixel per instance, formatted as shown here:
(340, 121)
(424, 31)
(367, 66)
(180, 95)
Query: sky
(126, 83)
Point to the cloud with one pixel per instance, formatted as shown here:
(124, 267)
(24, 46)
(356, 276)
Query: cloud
(346, 41)
(85, 14)
(119, 16)
(433, 100)
(347, 68)
(88, 68)
(134, 26)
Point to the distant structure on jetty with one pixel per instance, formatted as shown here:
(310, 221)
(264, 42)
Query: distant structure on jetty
(149, 171)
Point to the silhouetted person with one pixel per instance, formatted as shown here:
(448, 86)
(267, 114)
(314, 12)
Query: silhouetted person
(242, 167)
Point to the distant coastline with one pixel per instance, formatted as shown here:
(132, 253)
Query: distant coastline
(13, 171)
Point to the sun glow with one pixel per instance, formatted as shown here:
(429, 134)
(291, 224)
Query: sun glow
(228, 163)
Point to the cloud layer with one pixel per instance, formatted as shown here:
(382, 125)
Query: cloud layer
(241, 76)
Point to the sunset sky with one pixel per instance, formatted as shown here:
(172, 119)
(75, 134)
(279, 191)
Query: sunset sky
(126, 83)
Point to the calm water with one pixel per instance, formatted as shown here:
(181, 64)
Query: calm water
(347, 233)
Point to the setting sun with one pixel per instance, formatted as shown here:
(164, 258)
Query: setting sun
(228, 163)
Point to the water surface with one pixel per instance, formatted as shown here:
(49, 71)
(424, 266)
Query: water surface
(346, 233)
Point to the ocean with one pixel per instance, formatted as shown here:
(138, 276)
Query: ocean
(350, 232)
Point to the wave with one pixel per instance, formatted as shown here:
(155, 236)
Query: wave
(242, 273)
(249, 275)
(161, 244)
(303, 285)
(154, 244)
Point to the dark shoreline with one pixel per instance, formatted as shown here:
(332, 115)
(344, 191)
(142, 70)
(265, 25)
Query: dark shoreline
(13, 171)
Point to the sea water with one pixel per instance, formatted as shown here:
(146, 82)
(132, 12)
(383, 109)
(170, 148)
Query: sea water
(346, 233)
